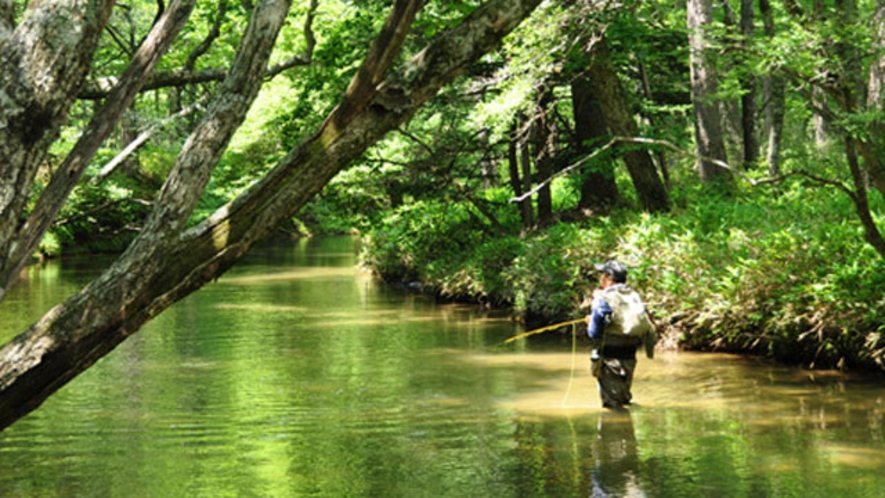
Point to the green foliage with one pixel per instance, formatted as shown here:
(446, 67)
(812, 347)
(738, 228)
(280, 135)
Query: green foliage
(554, 273)
(421, 238)
(95, 220)
(789, 277)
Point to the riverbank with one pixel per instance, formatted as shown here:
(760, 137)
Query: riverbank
(787, 278)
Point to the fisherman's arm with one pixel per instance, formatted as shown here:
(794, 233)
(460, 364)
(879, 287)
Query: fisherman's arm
(598, 317)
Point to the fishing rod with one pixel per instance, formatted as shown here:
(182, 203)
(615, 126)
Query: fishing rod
(543, 329)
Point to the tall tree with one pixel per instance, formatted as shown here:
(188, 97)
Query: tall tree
(167, 262)
(542, 136)
(775, 99)
(25, 237)
(516, 181)
(616, 112)
(704, 84)
(598, 187)
(749, 109)
(43, 63)
(876, 93)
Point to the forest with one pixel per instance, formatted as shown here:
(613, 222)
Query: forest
(731, 154)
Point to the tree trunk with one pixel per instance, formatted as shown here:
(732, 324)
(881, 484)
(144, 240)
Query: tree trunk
(874, 154)
(659, 154)
(616, 111)
(704, 83)
(43, 64)
(730, 108)
(598, 188)
(861, 200)
(7, 19)
(542, 136)
(748, 99)
(164, 265)
(525, 205)
(820, 122)
(775, 98)
(525, 164)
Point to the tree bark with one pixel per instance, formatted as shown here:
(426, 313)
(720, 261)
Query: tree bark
(165, 265)
(7, 19)
(525, 165)
(861, 200)
(542, 137)
(704, 83)
(42, 66)
(616, 112)
(874, 155)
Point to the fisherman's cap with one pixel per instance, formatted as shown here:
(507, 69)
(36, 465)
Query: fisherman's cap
(614, 269)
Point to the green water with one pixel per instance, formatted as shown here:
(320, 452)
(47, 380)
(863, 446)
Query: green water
(295, 375)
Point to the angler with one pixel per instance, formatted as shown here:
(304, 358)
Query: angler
(618, 324)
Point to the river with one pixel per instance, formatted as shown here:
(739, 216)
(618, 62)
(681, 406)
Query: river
(296, 375)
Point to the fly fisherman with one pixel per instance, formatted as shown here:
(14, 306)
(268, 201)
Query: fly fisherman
(618, 323)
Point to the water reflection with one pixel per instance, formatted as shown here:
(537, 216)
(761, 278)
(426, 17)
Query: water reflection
(286, 379)
(615, 470)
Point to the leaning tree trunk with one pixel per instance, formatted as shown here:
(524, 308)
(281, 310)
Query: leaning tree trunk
(704, 83)
(156, 272)
(616, 111)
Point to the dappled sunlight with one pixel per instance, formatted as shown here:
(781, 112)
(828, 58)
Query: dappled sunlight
(549, 384)
(855, 456)
(261, 307)
(285, 276)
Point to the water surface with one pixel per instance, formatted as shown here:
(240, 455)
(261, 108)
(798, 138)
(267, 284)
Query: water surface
(296, 375)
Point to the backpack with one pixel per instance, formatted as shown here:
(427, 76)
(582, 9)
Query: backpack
(629, 322)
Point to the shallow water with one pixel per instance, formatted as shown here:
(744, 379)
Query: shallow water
(295, 375)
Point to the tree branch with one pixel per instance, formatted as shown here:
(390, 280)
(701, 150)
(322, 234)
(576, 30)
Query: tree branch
(100, 87)
(25, 237)
(213, 34)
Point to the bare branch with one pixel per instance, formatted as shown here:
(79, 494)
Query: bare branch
(143, 137)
